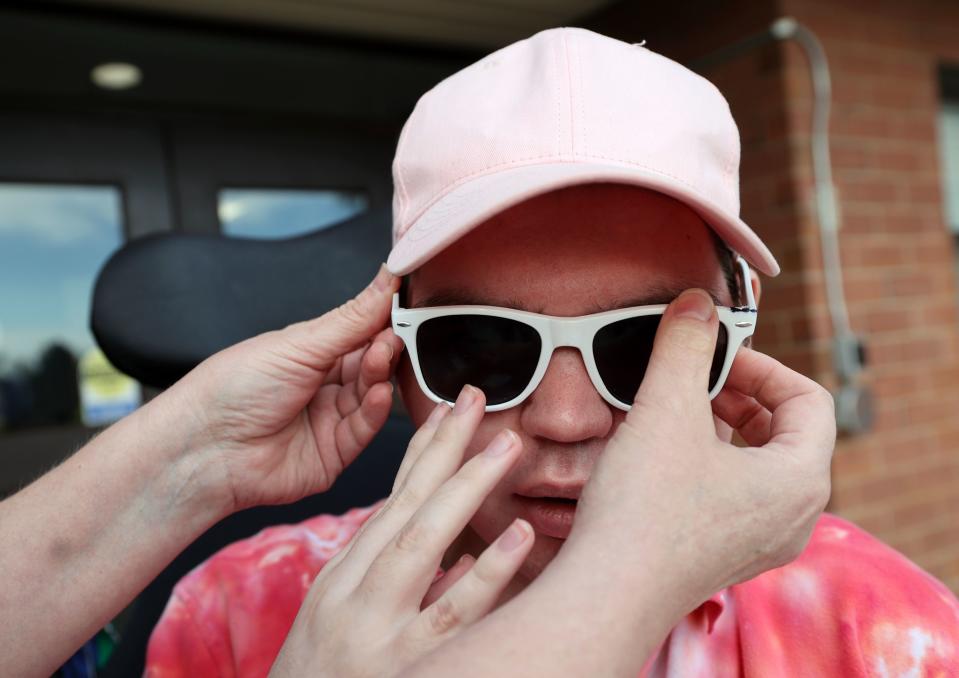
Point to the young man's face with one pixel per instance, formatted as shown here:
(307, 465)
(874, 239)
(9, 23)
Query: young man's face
(572, 252)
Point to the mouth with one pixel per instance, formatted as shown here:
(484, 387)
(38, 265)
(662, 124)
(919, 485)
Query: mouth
(550, 509)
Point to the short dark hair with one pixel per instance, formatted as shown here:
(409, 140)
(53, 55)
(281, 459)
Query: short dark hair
(727, 261)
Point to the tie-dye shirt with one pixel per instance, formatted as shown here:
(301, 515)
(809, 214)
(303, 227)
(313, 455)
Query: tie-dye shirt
(849, 606)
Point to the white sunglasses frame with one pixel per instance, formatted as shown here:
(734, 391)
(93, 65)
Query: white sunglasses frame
(575, 332)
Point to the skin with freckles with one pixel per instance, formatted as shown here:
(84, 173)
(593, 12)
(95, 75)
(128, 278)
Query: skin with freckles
(571, 252)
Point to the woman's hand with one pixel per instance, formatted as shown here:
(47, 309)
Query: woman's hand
(279, 416)
(269, 420)
(375, 608)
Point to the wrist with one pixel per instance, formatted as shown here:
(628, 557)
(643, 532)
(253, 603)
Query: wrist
(641, 588)
(172, 441)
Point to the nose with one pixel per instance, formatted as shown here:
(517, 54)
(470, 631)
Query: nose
(566, 407)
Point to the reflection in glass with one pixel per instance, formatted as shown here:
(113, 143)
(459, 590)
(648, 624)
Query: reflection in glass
(271, 213)
(53, 240)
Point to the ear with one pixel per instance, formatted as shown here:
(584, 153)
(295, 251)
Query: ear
(757, 286)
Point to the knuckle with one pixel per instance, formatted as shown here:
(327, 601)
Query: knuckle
(417, 444)
(371, 587)
(444, 498)
(444, 616)
(815, 493)
(821, 493)
(410, 538)
(691, 336)
(794, 548)
(486, 574)
(355, 311)
(407, 499)
(321, 593)
(468, 476)
(444, 434)
(653, 415)
(826, 397)
(749, 413)
(785, 556)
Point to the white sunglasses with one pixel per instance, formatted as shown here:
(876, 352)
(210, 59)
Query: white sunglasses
(505, 352)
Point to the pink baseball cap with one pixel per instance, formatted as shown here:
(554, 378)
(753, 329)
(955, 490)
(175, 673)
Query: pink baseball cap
(565, 106)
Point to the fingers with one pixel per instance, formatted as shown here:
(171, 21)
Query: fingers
(450, 577)
(766, 379)
(371, 367)
(744, 415)
(442, 455)
(678, 373)
(419, 441)
(439, 457)
(366, 362)
(801, 411)
(358, 371)
(319, 342)
(413, 554)
(476, 591)
(355, 431)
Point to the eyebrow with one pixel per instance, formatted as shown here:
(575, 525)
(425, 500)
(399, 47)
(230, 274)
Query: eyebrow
(654, 296)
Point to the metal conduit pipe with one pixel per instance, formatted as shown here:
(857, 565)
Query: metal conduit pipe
(854, 403)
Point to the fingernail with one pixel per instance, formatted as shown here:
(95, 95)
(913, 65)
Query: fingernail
(514, 536)
(465, 400)
(501, 444)
(693, 304)
(382, 279)
(436, 416)
(465, 559)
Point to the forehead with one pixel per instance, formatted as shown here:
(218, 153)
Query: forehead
(574, 251)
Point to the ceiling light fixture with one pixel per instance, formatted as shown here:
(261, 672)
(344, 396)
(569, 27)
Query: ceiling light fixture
(116, 76)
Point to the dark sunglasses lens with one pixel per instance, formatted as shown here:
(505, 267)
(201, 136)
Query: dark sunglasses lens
(497, 355)
(622, 350)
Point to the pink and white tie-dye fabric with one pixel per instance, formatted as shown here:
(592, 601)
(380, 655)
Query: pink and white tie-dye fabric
(849, 606)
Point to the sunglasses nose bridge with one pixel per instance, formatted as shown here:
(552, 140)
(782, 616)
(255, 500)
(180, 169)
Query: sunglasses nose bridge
(565, 332)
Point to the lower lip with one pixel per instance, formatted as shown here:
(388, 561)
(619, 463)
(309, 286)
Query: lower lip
(550, 517)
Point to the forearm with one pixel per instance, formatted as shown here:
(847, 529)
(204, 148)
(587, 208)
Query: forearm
(81, 542)
(582, 616)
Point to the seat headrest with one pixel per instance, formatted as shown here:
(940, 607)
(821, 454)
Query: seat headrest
(164, 303)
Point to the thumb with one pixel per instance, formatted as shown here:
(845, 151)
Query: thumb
(678, 372)
(348, 326)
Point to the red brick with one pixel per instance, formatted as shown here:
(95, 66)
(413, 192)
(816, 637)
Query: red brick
(899, 261)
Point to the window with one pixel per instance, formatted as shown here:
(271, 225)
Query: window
(284, 213)
(949, 151)
(53, 240)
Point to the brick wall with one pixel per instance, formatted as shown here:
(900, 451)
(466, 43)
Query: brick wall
(901, 480)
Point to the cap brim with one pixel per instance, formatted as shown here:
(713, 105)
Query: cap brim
(465, 207)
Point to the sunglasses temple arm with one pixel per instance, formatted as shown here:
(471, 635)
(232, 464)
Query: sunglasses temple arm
(747, 283)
